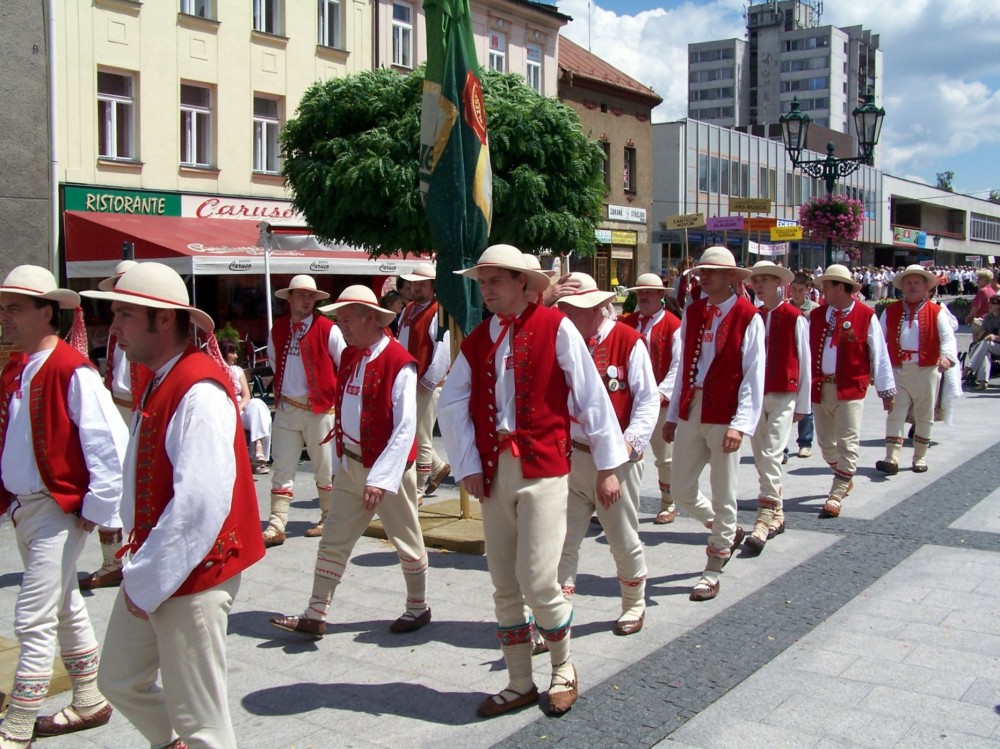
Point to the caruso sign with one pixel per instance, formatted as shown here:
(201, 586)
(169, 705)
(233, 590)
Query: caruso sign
(276, 212)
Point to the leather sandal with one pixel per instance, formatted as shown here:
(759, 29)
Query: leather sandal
(68, 720)
(506, 701)
(315, 532)
(102, 579)
(626, 627)
(831, 508)
(562, 701)
(665, 517)
(410, 622)
(704, 590)
(273, 538)
(314, 628)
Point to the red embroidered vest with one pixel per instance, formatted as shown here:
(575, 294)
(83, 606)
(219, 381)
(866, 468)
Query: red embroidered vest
(854, 364)
(376, 399)
(420, 344)
(138, 375)
(54, 437)
(320, 375)
(930, 342)
(615, 351)
(781, 368)
(720, 396)
(239, 543)
(540, 396)
(661, 341)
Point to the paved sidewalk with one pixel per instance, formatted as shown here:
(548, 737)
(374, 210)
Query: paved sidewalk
(875, 629)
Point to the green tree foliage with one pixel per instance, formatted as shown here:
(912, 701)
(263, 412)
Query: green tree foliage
(350, 158)
(944, 180)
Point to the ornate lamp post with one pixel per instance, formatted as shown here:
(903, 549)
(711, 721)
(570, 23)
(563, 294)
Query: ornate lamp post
(937, 243)
(795, 127)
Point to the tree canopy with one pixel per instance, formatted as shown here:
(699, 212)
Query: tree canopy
(351, 160)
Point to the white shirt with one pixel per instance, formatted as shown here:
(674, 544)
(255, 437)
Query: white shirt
(387, 471)
(909, 335)
(103, 437)
(666, 387)
(803, 397)
(750, 399)
(199, 442)
(645, 398)
(121, 374)
(877, 350)
(589, 403)
(293, 383)
(441, 357)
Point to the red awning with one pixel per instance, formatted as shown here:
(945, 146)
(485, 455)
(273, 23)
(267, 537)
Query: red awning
(205, 246)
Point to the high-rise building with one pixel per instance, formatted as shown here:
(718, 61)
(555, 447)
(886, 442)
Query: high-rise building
(787, 54)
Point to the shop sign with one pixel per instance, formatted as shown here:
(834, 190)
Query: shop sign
(628, 238)
(621, 254)
(686, 221)
(750, 205)
(388, 267)
(627, 213)
(904, 235)
(603, 236)
(138, 202)
(239, 266)
(276, 212)
(725, 223)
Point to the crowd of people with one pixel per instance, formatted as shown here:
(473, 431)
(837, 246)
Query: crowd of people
(547, 411)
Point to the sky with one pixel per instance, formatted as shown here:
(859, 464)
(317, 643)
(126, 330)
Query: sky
(940, 77)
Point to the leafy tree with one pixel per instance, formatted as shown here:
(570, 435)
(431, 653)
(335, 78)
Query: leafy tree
(944, 180)
(350, 158)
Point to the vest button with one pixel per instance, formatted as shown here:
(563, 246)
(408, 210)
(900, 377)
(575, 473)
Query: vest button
(489, 463)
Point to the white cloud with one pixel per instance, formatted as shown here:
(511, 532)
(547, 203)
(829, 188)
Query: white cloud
(941, 77)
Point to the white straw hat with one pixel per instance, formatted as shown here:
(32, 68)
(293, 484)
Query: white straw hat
(587, 296)
(509, 257)
(308, 283)
(719, 258)
(837, 272)
(767, 268)
(154, 285)
(33, 280)
(109, 283)
(365, 297)
(915, 270)
(423, 272)
(648, 282)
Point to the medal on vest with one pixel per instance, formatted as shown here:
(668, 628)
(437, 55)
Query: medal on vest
(613, 372)
(614, 386)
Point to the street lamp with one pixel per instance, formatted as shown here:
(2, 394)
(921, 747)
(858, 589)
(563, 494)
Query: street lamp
(795, 128)
(937, 243)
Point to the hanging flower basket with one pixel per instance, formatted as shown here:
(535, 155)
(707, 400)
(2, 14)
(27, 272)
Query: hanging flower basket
(835, 217)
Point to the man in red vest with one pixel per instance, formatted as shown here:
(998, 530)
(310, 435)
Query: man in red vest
(61, 450)
(845, 345)
(375, 446)
(418, 334)
(303, 349)
(190, 511)
(716, 402)
(505, 414)
(623, 364)
(661, 331)
(787, 382)
(922, 346)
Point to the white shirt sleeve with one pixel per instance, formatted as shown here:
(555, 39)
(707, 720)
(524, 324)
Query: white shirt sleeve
(199, 442)
(751, 393)
(803, 398)
(335, 345)
(666, 387)
(645, 398)
(438, 367)
(103, 437)
(589, 401)
(946, 334)
(387, 471)
(673, 410)
(457, 429)
(879, 352)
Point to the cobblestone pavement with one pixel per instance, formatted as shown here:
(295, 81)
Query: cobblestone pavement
(879, 628)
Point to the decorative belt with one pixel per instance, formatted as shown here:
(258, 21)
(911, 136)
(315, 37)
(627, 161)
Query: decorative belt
(123, 402)
(829, 379)
(908, 356)
(582, 446)
(302, 406)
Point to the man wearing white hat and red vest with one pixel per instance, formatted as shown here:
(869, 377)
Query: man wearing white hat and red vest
(661, 331)
(53, 396)
(846, 346)
(623, 364)
(922, 346)
(303, 349)
(374, 435)
(190, 512)
(505, 413)
(418, 334)
(716, 402)
(126, 382)
(787, 391)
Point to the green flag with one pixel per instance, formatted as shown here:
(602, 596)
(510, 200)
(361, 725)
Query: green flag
(455, 175)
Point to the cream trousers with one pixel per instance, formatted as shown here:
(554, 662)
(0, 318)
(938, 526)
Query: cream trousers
(769, 440)
(838, 429)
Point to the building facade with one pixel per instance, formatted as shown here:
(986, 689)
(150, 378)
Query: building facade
(615, 110)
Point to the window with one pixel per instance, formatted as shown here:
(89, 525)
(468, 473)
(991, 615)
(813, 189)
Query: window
(196, 126)
(200, 8)
(703, 172)
(115, 116)
(533, 69)
(402, 35)
(266, 124)
(328, 23)
(267, 16)
(631, 183)
(498, 51)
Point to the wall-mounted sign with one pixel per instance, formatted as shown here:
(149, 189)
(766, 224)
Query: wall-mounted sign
(686, 221)
(784, 233)
(139, 202)
(627, 213)
(760, 224)
(724, 223)
(275, 212)
(750, 205)
(627, 238)
(603, 236)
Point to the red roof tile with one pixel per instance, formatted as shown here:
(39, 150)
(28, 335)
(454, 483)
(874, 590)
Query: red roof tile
(583, 64)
